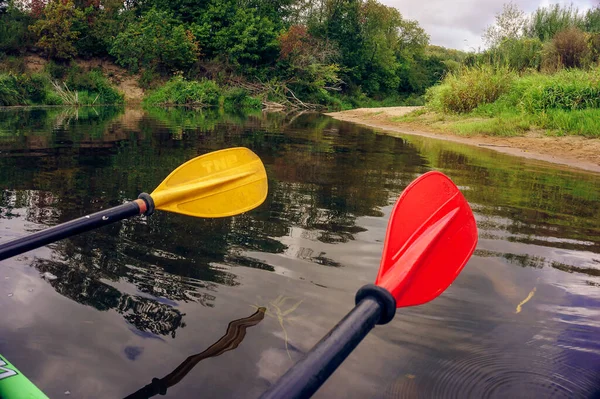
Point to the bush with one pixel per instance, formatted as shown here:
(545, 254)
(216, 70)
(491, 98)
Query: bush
(520, 54)
(149, 79)
(471, 87)
(179, 91)
(25, 90)
(238, 98)
(56, 71)
(572, 48)
(96, 87)
(10, 90)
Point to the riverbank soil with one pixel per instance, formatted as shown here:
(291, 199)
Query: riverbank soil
(573, 151)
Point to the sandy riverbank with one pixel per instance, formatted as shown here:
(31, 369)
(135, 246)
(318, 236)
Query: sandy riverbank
(573, 151)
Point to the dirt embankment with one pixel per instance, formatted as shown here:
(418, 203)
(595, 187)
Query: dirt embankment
(573, 151)
(125, 82)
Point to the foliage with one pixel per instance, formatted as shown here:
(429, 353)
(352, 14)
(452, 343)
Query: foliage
(592, 20)
(14, 32)
(509, 25)
(94, 85)
(238, 99)
(179, 91)
(308, 63)
(238, 35)
(322, 51)
(571, 47)
(25, 90)
(546, 22)
(519, 54)
(463, 91)
(155, 40)
(54, 29)
(568, 90)
(567, 102)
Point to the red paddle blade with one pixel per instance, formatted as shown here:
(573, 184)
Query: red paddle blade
(430, 237)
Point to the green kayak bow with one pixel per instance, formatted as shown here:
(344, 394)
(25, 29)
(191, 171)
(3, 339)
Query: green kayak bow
(13, 384)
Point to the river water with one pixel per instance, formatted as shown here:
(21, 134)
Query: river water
(99, 315)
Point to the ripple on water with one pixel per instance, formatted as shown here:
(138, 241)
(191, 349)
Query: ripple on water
(486, 372)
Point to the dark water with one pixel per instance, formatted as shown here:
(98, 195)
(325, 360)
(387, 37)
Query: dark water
(101, 314)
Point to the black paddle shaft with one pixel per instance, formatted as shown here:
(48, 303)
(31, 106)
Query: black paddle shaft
(73, 227)
(375, 305)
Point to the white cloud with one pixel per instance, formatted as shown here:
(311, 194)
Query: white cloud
(460, 24)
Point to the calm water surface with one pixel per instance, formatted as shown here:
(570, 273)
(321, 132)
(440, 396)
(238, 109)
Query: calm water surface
(99, 315)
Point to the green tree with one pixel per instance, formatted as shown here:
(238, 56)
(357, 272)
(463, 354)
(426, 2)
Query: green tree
(239, 36)
(546, 22)
(308, 63)
(592, 20)
(14, 34)
(54, 29)
(156, 40)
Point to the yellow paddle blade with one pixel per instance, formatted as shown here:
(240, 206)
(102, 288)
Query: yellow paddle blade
(218, 184)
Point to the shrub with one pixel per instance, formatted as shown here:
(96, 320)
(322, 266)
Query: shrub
(179, 91)
(56, 71)
(594, 43)
(9, 90)
(572, 48)
(471, 87)
(97, 88)
(149, 79)
(238, 98)
(25, 90)
(520, 54)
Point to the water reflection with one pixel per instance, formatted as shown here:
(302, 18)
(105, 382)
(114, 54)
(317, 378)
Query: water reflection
(330, 190)
(236, 331)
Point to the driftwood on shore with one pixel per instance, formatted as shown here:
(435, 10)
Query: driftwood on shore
(280, 95)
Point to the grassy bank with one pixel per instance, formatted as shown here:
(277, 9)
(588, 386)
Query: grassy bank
(201, 93)
(55, 85)
(496, 101)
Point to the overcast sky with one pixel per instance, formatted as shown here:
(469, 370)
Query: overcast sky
(460, 23)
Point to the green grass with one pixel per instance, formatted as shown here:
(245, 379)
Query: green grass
(202, 93)
(465, 90)
(497, 102)
(179, 91)
(37, 89)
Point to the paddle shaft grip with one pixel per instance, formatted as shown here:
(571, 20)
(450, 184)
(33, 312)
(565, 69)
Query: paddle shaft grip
(307, 376)
(71, 228)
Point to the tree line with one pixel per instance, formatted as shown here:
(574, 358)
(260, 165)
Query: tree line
(549, 39)
(317, 48)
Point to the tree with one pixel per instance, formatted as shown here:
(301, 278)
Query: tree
(548, 21)
(156, 40)
(36, 7)
(510, 24)
(237, 35)
(309, 62)
(54, 29)
(592, 20)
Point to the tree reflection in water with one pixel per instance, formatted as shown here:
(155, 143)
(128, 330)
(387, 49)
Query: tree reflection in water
(323, 175)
